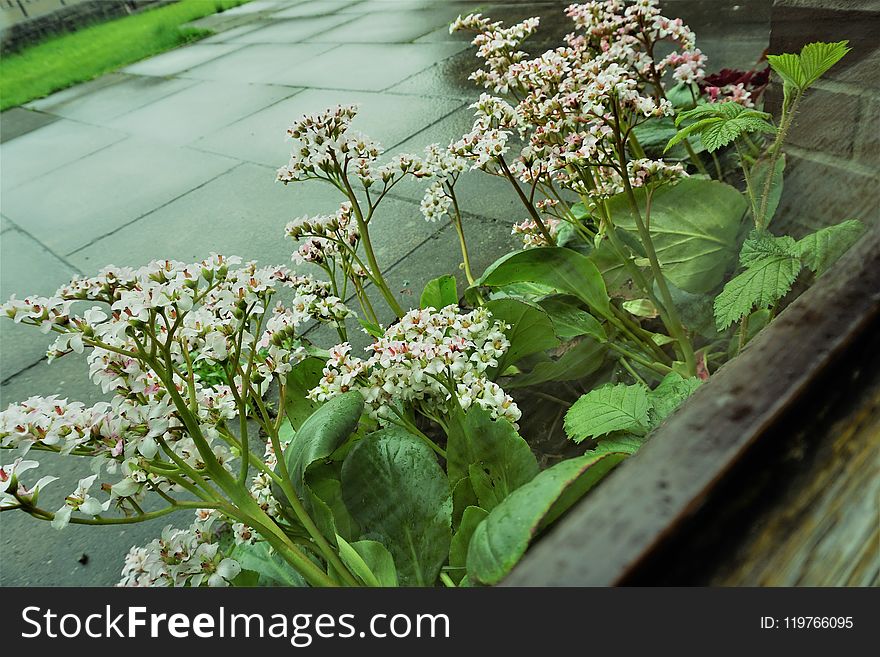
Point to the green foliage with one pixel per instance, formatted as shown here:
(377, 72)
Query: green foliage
(500, 540)
(694, 227)
(458, 549)
(718, 124)
(581, 357)
(397, 492)
(320, 435)
(799, 72)
(570, 320)
(772, 265)
(609, 408)
(819, 250)
(369, 561)
(304, 376)
(633, 409)
(530, 329)
(763, 283)
(490, 455)
(759, 174)
(262, 566)
(439, 293)
(64, 60)
(557, 267)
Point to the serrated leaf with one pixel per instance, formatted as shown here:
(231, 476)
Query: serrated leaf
(609, 408)
(530, 329)
(817, 58)
(439, 293)
(788, 67)
(760, 245)
(765, 282)
(821, 249)
(718, 124)
(669, 394)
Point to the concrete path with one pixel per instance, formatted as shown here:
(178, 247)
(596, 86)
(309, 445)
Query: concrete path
(174, 156)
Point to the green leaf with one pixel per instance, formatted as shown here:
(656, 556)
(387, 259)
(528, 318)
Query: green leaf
(817, 58)
(759, 179)
(718, 124)
(761, 245)
(490, 453)
(325, 503)
(761, 285)
(398, 493)
(799, 72)
(320, 435)
(581, 358)
(458, 549)
(372, 328)
(606, 409)
(270, 568)
(530, 329)
(788, 67)
(694, 226)
(561, 268)
(500, 540)
(439, 293)
(570, 320)
(304, 376)
(669, 394)
(640, 308)
(369, 561)
(821, 249)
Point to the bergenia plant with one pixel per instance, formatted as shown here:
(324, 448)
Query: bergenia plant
(645, 183)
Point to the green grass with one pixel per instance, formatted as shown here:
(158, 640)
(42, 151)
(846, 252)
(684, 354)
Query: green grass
(64, 60)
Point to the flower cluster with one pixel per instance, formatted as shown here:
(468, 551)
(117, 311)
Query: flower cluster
(531, 235)
(325, 235)
(181, 557)
(425, 359)
(157, 324)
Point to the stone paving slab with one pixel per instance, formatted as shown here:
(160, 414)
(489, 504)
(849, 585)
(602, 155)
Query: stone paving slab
(389, 64)
(108, 97)
(262, 138)
(317, 8)
(26, 267)
(292, 30)
(184, 117)
(267, 63)
(386, 26)
(242, 212)
(19, 121)
(52, 147)
(181, 59)
(106, 190)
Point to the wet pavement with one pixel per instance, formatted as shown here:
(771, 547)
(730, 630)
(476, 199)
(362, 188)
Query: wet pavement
(174, 156)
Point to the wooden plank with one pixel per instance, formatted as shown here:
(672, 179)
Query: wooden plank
(613, 534)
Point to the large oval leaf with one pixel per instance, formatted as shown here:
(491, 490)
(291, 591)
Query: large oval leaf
(321, 434)
(570, 320)
(558, 267)
(304, 376)
(490, 453)
(501, 539)
(399, 494)
(580, 359)
(530, 329)
(694, 225)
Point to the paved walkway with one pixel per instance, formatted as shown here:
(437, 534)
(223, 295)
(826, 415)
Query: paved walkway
(175, 156)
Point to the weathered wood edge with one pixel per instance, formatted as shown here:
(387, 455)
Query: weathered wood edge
(647, 499)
